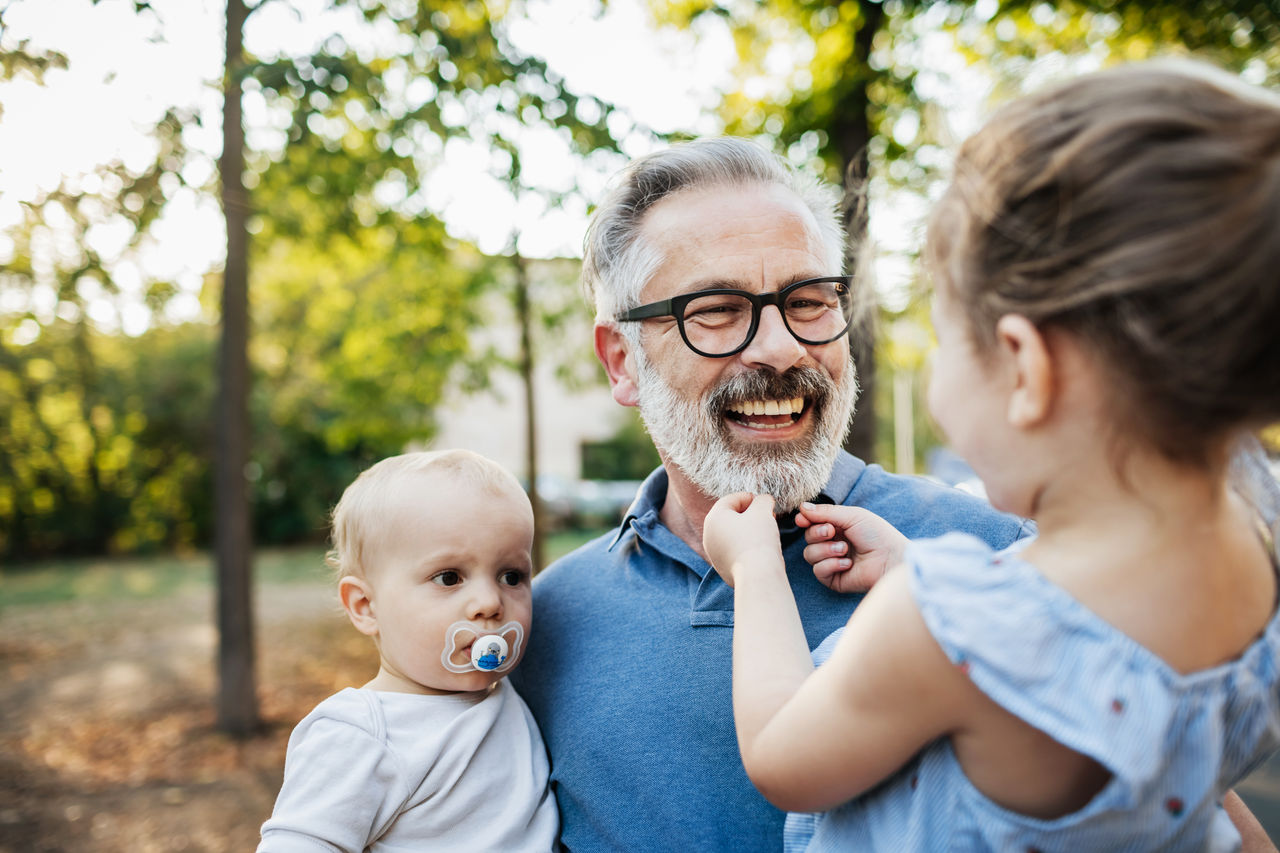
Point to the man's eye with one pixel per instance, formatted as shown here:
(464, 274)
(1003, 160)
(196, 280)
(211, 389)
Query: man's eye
(512, 578)
(449, 578)
(712, 312)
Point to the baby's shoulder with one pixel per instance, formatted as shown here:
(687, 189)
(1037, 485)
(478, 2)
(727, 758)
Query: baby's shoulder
(355, 707)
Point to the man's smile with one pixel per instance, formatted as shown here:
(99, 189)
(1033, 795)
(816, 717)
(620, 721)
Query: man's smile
(767, 414)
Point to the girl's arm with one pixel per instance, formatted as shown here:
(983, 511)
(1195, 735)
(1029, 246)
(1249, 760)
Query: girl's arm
(887, 691)
(811, 739)
(771, 656)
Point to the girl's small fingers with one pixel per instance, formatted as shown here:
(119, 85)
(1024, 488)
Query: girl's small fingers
(738, 501)
(820, 551)
(825, 570)
(763, 503)
(858, 578)
(819, 533)
(818, 513)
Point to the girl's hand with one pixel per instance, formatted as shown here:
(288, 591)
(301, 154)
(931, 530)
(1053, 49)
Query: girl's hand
(740, 527)
(850, 548)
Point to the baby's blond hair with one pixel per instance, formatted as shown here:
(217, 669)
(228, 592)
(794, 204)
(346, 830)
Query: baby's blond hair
(354, 520)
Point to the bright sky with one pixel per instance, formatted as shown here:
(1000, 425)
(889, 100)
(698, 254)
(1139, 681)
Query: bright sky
(122, 78)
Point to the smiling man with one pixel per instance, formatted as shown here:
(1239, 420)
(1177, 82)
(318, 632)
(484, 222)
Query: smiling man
(734, 400)
(722, 313)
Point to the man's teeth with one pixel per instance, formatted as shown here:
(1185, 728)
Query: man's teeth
(769, 407)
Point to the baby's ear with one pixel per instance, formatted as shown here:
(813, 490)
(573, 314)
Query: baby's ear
(1031, 397)
(357, 601)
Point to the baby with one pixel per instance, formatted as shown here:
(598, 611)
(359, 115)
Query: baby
(438, 751)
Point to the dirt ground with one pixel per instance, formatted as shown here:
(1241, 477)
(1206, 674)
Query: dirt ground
(107, 738)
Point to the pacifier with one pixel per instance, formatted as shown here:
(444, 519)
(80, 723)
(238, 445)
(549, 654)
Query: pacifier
(491, 651)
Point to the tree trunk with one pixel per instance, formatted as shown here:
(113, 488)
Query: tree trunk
(851, 135)
(524, 315)
(237, 699)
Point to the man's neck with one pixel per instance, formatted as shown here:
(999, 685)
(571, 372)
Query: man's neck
(685, 509)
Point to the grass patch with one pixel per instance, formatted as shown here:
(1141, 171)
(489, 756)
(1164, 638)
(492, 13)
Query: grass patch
(561, 543)
(141, 577)
(99, 578)
(162, 575)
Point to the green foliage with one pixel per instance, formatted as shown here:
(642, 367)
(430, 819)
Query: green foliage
(817, 76)
(132, 472)
(362, 306)
(627, 455)
(352, 276)
(354, 340)
(1236, 34)
(809, 69)
(361, 128)
(110, 457)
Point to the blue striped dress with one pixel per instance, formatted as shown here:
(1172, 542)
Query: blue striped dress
(1174, 743)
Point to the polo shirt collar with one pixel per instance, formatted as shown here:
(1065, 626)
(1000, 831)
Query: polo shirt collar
(649, 498)
(653, 492)
(844, 476)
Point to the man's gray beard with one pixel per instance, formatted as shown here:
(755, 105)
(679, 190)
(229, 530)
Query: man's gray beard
(695, 437)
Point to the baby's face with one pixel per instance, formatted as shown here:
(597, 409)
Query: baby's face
(449, 552)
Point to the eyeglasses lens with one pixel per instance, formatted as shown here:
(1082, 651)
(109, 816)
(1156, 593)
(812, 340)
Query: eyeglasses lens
(720, 323)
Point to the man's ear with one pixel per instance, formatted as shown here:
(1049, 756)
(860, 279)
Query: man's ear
(614, 353)
(357, 601)
(1025, 350)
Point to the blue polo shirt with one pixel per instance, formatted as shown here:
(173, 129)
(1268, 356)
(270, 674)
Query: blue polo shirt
(629, 666)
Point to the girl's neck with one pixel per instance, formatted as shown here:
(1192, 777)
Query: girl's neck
(1167, 553)
(1148, 493)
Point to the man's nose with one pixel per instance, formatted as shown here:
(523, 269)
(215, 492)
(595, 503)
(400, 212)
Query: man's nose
(773, 346)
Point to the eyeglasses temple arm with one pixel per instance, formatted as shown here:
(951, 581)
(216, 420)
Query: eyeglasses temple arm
(644, 312)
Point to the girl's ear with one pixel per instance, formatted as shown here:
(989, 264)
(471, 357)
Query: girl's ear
(1025, 349)
(615, 354)
(357, 600)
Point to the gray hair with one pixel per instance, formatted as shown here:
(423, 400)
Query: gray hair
(617, 262)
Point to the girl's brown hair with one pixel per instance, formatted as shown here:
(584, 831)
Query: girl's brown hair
(1138, 209)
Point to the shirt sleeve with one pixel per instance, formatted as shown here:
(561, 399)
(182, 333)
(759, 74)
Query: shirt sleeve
(338, 792)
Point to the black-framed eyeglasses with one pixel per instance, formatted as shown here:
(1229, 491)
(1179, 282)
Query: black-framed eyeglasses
(722, 321)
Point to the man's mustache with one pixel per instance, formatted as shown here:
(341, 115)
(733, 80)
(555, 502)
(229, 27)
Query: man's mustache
(765, 384)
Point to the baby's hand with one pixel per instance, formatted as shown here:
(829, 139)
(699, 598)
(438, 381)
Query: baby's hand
(850, 548)
(738, 525)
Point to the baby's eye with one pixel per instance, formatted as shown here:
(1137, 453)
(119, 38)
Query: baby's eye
(512, 578)
(447, 578)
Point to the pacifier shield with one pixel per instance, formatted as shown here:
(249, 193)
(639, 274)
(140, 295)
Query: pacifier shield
(489, 652)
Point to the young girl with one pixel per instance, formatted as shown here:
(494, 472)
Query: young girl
(1107, 315)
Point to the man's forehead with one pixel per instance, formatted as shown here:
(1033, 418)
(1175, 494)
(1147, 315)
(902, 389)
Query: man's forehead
(733, 204)
(751, 237)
